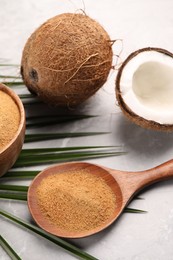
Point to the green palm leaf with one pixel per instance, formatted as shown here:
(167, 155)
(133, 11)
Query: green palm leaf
(38, 121)
(8, 249)
(44, 137)
(13, 84)
(9, 65)
(18, 188)
(25, 96)
(130, 210)
(26, 152)
(62, 157)
(28, 99)
(29, 157)
(60, 242)
(10, 77)
(13, 196)
(20, 174)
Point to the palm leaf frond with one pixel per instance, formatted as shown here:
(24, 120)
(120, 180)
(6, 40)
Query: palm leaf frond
(131, 210)
(13, 196)
(9, 65)
(20, 174)
(13, 83)
(38, 121)
(44, 137)
(18, 188)
(8, 249)
(26, 152)
(62, 157)
(60, 242)
(9, 77)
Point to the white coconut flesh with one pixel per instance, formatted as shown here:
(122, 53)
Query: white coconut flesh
(146, 86)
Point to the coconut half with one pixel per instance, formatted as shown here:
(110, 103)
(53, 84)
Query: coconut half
(144, 88)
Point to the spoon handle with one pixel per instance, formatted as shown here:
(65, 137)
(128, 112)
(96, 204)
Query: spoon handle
(132, 182)
(161, 172)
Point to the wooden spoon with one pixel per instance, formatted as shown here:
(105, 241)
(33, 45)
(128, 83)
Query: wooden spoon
(124, 184)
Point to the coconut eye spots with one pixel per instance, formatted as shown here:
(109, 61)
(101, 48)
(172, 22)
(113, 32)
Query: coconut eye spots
(33, 75)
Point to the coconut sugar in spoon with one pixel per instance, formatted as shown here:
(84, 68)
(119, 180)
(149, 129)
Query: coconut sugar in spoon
(123, 184)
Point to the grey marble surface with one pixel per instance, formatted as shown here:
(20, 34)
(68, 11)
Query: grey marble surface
(134, 236)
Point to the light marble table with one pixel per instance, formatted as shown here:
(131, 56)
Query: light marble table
(134, 236)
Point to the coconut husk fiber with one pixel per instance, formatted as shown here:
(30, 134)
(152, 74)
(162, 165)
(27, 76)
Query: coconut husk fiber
(67, 59)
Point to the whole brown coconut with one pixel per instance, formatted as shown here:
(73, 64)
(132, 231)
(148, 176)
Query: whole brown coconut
(67, 59)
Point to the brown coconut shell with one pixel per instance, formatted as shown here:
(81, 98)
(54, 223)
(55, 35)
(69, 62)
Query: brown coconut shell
(125, 109)
(67, 59)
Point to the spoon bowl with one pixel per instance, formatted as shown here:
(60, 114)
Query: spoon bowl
(122, 183)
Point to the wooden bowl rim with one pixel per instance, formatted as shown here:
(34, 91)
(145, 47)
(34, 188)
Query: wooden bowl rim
(19, 103)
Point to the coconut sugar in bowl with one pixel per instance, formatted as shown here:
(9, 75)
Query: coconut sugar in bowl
(12, 128)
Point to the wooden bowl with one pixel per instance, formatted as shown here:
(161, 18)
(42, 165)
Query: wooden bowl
(10, 153)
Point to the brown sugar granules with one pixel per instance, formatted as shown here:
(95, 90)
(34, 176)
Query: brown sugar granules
(9, 119)
(76, 201)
